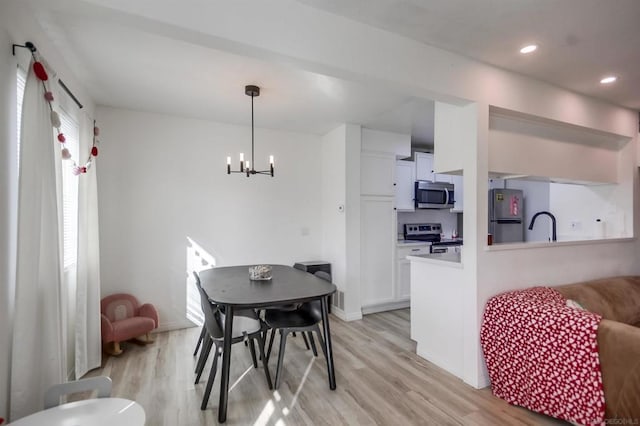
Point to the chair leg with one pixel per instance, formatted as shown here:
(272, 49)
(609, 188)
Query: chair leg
(306, 342)
(273, 335)
(203, 358)
(200, 339)
(283, 342)
(116, 348)
(312, 341)
(212, 377)
(321, 340)
(252, 349)
(205, 342)
(265, 363)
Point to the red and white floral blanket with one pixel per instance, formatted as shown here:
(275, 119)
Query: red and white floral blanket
(543, 355)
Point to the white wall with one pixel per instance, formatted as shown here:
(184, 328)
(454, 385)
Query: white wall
(341, 213)
(540, 148)
(334, 223)
(582, 206)
(163, 179)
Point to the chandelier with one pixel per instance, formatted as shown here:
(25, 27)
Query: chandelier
(248, 168)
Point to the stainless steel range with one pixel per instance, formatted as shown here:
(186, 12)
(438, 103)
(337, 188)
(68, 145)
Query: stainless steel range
(422, 231)
(431, 233)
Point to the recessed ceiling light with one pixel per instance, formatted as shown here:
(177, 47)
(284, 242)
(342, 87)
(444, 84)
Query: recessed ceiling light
(528, 49)
(609, 79)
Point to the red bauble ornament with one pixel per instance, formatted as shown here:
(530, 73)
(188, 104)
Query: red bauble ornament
(48, 96)
(39, 71)
(83, 169)
(94, 151)
(61, 138)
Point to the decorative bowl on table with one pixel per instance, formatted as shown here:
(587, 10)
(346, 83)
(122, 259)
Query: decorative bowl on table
(260, 273)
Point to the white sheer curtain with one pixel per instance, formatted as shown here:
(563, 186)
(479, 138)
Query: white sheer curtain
(38, 354)
(88, 352)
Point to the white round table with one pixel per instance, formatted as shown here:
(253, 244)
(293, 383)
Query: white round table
(94, 412)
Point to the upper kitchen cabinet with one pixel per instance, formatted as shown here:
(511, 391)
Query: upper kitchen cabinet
(522, 145)
(377, 172)
(378, 161)
(405, 189)
(424, 168)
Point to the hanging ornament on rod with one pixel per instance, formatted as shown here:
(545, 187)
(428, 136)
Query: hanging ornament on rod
(40, 72)
(248, 168)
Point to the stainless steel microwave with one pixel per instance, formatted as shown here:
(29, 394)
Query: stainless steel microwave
(434, 195)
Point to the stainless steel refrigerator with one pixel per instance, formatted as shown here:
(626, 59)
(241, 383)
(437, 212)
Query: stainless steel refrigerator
(506, 215)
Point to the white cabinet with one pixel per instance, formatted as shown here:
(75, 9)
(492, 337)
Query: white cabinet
(377, 241)
(458, 191)
(424, 168)
(403, 279)
(405, 185)
(377, 172)
(403, 269)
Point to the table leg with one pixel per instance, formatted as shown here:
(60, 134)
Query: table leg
(327, 342)
(226, 363)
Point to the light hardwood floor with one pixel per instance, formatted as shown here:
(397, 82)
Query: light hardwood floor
(380, 380)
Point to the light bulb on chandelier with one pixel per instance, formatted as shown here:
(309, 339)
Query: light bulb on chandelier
(252, 91)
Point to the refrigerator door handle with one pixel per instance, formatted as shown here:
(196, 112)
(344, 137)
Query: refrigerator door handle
(506, 221)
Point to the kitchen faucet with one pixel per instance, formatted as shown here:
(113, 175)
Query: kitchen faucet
(553, 223)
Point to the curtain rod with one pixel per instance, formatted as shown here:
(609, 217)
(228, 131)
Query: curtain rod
(32, 49)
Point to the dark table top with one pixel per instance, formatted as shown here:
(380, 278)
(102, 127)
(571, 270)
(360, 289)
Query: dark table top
(231, 285)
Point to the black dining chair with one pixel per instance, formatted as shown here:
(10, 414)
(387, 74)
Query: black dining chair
(305, 320)
(246, 326)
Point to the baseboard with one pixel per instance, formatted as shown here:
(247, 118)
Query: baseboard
(389, 306)
(351, 316)
(173, 325)
(442, 363)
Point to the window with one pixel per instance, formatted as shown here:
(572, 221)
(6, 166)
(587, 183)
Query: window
(71, 131)
(21, 81)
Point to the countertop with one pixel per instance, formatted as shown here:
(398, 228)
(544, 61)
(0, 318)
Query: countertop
(402, 242)
(407, 243)
(444, 259)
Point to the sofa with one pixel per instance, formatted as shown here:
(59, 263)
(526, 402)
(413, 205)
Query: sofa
(617, 300)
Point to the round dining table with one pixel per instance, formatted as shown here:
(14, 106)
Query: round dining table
(94, 412)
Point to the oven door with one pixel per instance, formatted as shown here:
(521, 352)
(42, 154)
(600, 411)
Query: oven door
(445, 249)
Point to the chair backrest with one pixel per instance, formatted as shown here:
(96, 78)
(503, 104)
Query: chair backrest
(315, 307)
(119, 306)
(210, 311)
(101, 383)
(324, 275)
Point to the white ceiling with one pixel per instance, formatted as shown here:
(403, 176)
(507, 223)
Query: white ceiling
(580, 40)
(129, 67)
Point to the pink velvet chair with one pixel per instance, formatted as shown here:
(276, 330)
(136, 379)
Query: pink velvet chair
(123, 318)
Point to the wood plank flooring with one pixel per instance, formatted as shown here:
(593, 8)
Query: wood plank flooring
(380, 379)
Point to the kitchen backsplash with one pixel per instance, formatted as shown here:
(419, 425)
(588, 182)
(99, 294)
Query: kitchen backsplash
(448, 220)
